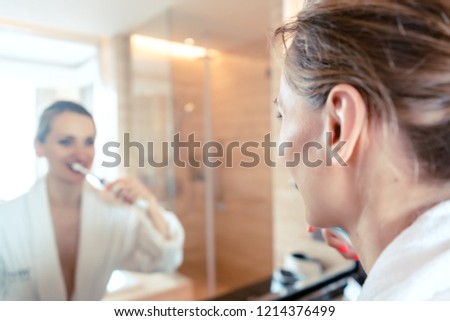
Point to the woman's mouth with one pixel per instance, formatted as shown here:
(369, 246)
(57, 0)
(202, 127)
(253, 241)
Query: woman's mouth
(71, 167)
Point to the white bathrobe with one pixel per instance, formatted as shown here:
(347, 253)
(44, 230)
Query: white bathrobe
(112, 236)
(416, 265)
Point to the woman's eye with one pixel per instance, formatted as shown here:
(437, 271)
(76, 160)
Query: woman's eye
(279, 116)
(65, 142)
(89, 142)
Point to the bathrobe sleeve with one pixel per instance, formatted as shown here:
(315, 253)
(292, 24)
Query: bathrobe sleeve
(17, 272)
(121, 236)
(147, 249)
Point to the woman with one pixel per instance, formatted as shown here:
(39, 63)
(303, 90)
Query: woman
(375, 76)
(63, 239)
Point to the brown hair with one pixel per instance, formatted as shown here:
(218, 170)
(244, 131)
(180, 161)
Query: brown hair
(53, 110)
(396, 53)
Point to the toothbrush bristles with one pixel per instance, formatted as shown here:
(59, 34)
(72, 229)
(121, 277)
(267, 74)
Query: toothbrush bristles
(79, 168)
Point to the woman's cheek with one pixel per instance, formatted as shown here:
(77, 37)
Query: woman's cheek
(287, 146)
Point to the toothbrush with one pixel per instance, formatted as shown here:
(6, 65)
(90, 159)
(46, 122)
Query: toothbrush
(340, 233)
(83, 170)
(141, 203)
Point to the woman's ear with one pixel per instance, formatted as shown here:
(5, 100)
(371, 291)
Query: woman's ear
(38, 148)
(345, 117)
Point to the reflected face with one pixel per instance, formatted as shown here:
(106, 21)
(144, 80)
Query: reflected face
(302, 128)
(71, 139)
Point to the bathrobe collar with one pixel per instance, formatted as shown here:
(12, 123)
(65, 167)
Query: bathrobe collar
(49, 275)
(415, 265)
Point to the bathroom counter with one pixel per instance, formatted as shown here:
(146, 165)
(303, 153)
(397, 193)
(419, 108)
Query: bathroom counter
(134, 286)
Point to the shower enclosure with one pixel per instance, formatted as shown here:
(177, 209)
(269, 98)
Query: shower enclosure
(188, 96)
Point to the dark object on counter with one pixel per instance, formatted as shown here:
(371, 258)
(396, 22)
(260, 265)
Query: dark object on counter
(330, 287)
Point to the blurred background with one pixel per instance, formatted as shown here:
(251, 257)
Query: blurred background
(152, 69)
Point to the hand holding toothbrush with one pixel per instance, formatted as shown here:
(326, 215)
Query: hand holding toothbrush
(133, 192)
(338, 239)
(126, 194)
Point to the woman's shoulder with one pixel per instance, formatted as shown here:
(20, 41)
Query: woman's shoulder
(12, 211)
(21, 199)
(17, 202)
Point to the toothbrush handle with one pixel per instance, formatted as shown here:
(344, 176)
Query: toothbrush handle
(340, 233)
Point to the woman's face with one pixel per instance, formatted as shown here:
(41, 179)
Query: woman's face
(302, 129)
(70, 140)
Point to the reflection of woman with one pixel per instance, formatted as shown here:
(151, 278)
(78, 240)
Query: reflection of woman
(63, 239)
(376, 75)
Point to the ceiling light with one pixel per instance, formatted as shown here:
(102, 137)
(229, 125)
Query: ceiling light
(165, 47)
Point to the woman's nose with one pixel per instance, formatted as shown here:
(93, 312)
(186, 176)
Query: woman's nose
(83, 152)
